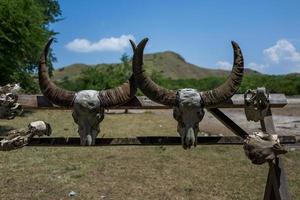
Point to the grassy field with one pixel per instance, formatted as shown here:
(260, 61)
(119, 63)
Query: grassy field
(160, 172)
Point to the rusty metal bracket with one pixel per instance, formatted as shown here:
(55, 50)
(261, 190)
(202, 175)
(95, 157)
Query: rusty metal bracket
(257, 104)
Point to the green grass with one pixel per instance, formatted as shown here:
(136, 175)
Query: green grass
(132, 172)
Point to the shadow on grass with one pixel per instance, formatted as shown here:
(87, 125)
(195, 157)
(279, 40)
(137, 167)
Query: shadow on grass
(26, 113)
(128, 112)
(119, 113)
(4, 130)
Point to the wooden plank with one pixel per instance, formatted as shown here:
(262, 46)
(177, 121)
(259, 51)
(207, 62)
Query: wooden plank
(231, 125)
(267, 124)
(142, 102)
(276, 187)
(147, 140)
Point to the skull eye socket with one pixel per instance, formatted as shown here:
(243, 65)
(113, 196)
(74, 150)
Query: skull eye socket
(100, 116)
(74, 115)
(199, 113)
(181, 124)
(177, 114)
(196, 127)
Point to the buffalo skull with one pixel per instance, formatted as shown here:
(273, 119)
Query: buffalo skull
(188, 104)
(88, 105)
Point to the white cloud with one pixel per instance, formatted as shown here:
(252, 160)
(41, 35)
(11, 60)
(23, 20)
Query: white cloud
(281, 58)
(257, 67)
(224, 65)
(282, 51)
(105, 44)
(228, 66)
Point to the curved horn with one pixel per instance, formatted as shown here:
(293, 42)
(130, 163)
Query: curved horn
(148, 87)
(231, 85)
(55, 94)
(118, 95)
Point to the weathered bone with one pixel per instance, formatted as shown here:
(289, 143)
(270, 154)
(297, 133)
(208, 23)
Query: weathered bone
(39, 128)
(148, 87)
(231, 85)
(87, 113)
(88, 105)
(19, 138)
(187, 104)
(9, 108)
(262, 147)
(188, 113)
(10, 88)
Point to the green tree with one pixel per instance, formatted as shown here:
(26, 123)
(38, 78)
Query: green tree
(109, 76)
(23, 32)
(126, 66)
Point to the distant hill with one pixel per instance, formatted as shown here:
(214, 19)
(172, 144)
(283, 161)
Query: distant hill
(169, 63)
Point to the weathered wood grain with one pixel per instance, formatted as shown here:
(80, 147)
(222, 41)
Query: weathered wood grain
(142, 102)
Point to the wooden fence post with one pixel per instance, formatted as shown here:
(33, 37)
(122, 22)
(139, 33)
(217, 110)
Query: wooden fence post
(276, 186)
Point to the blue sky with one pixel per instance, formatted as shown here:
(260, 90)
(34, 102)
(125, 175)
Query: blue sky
(268, 32)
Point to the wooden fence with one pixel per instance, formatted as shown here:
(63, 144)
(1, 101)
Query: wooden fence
(276, 186)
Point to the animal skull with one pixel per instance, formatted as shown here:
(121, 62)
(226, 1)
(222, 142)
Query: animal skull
(87, 113)
(88, 105)
(39, 128)
(187, 104)
(188, 112)
(261, 147)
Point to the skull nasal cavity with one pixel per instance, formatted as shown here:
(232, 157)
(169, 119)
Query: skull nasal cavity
(91, 104)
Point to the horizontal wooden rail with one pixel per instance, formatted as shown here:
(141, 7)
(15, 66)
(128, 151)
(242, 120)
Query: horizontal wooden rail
(142, 102)
(147, 140)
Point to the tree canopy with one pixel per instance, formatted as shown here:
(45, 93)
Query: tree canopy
(24, 29)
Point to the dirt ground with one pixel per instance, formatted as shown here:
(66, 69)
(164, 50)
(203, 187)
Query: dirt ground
(286, 120)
